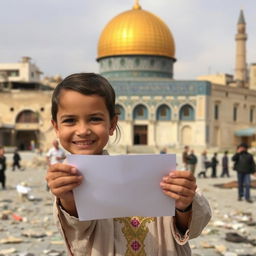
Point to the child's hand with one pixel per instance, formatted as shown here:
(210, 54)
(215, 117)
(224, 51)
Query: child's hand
(181, 186)
(62, 179)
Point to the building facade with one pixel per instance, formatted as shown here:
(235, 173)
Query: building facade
(136, 52)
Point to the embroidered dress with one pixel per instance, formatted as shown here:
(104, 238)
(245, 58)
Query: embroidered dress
(131, 236)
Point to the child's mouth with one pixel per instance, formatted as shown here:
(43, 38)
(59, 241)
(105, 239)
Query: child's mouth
(83, 143)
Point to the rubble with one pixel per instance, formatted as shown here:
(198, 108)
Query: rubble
(27, 226)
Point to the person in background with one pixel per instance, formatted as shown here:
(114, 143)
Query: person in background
(225, 163)
(16, 160)
(192, 161)
(2, 167)
(214, 164)
(55, 154)
(205, 164)
(244, 165)
(163, 151)
(185, 158)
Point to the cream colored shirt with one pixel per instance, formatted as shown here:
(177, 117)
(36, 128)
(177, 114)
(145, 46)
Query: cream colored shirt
(131, 236)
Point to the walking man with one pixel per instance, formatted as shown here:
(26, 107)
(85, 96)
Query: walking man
(225, 168)
(185, 157)
(192, 161)
(16, 160)
(245, 166)
(214, 164)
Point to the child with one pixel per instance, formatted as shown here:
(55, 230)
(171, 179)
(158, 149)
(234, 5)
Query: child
(83, 116)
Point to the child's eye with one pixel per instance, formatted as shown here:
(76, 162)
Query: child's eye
(68, 120)
(96, 119)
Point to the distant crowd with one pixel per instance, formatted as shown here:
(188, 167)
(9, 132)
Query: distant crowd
(242, 162)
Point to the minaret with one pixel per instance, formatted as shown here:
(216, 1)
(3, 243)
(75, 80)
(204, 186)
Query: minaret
(241, 37)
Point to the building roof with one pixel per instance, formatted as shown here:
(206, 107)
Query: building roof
(241, 19)
(136, 32)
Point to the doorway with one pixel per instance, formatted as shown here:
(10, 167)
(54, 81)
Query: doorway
(140, 136)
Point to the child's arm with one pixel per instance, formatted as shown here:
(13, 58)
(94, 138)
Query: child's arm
(181, 186)
(62, 179)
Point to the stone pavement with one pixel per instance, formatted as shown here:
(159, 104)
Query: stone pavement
(27, 227)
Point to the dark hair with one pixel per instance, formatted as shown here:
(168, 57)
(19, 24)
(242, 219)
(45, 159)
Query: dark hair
(244, 145)
(87, 84)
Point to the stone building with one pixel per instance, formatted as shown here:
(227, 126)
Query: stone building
(136, 52)
(24, 106)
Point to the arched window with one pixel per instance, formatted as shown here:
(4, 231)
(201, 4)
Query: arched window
(120, 112)
(122, 61)
(163, 113)
(187, 113)
(27, 116)
(137, 61)
(140, 113)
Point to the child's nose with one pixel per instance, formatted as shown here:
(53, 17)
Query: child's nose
(83, 129)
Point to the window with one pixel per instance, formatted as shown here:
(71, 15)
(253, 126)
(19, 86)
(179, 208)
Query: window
(216, 111)
(137, 61)
(187, 113)
(235, 113)
(122, 61)
(251, 115)
(27, 116)
(140, 113)
(163, 113)
(120, 112)
(13, 73)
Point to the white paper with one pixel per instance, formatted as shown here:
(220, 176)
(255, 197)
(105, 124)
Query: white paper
(122, 186)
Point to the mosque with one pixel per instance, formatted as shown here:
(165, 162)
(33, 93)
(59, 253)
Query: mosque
(136, 52)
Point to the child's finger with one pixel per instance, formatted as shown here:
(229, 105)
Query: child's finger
(59, 167)
(64, 181)
(182, 174)
(180, 190)
(60, 191)
(179, 198)
(181, 182)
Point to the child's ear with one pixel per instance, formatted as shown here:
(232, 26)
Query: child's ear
(113, 125)
(55, 126)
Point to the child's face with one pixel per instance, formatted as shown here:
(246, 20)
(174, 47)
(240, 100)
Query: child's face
(83, 123)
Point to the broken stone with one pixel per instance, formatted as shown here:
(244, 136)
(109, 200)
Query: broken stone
(221, 248)
(53, 253)
(207, 245)
(57, 242)
(33, 234)
(11, 240)
(230, 254)
(26, 254)
(7, 251)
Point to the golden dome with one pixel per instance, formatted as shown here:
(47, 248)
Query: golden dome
(136, 32)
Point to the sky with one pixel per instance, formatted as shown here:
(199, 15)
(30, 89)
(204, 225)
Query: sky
(61, 36)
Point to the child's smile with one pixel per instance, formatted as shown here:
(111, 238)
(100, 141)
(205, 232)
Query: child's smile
(83, 123)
